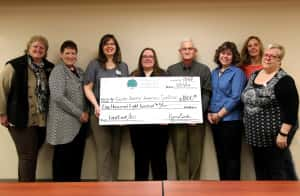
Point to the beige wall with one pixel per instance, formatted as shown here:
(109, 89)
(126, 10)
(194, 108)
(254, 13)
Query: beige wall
(138, 24)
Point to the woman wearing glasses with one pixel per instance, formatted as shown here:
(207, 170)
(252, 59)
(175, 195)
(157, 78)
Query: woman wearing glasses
(149, 141)
(107, 138)
(270, 117)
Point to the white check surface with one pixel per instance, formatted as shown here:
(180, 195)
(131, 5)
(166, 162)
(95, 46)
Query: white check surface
(150, 100)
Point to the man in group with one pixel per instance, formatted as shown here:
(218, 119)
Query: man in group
(188, 139)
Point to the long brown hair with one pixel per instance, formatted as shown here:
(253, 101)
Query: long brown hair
(156, 69)
(245, 56)
(117, 58)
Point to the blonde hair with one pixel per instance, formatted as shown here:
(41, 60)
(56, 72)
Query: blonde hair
(37, 38)
(279, 47)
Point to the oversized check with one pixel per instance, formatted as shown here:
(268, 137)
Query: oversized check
(150, 100)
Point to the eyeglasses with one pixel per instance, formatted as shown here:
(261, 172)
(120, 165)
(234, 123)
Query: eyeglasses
(186, 49)
(109, 44)
(148, 56)
(271, 56)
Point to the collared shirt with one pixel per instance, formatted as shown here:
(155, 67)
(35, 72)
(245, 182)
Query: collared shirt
(73, 70)
(226, 92)
(30, 62)
(94, 72)
(195, 69)
(35, 118)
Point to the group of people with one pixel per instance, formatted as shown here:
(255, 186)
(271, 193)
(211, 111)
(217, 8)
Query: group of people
(247, 94)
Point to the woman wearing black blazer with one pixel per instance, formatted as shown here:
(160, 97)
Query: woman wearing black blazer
(149, 141)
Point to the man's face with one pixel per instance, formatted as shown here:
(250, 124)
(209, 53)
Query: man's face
(187, 51)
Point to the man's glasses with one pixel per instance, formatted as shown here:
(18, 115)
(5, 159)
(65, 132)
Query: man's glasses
(187, 49)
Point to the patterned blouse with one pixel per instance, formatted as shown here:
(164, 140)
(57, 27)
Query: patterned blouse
(262, 115)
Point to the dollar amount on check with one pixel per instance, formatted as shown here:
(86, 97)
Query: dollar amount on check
(150, 100)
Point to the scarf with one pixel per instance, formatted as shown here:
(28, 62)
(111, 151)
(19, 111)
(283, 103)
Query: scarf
(42, 88)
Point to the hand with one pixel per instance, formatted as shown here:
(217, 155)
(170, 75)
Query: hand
(4, 120)
(213, 118)
(281, 141)
(216, 118)
(97, 110)
(84, 117)
(209, 118)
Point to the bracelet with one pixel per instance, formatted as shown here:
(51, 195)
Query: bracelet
(283, 134)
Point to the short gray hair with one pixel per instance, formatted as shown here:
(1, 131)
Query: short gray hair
(279, 47)
(187, 39)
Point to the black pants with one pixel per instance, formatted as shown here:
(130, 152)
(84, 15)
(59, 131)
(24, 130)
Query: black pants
(227, 139)
(67, 159)
(28, 142)
(150, 146)
(272, 163)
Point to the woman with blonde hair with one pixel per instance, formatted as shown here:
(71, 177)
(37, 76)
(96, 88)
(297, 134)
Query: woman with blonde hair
(24, 94)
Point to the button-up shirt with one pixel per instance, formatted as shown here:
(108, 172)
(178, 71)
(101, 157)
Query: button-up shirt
(195, 69)
(226, 92)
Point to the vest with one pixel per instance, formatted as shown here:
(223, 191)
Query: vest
(17, 102)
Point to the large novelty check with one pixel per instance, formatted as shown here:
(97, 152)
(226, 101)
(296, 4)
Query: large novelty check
(150, 100)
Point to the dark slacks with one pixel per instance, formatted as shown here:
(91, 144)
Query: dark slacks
(67, 158)
(227, 139)
(28, 142)
(150, 145)
(272, 163)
